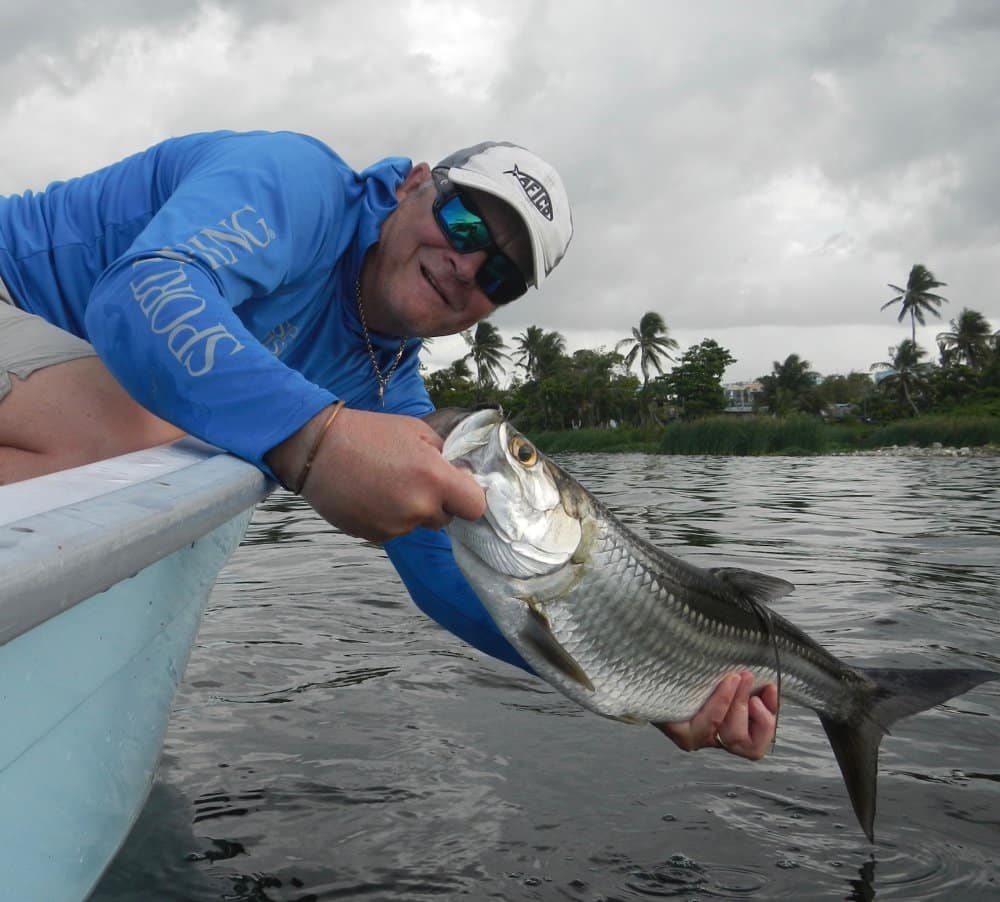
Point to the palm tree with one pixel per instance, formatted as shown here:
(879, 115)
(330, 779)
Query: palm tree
(907, 374)
(651, 342)
(485, 352)
(968, 341)
(529, 347)
(453, 386)
(551, 354)
(459, 369)
(917, 298)
(593, 376)
(425, 346)
(791, 386)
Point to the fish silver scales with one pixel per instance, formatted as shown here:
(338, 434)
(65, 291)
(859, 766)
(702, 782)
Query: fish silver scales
(631, 636)
(635, 633)
(652, 657)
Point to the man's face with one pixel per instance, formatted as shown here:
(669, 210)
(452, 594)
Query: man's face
(414, 283)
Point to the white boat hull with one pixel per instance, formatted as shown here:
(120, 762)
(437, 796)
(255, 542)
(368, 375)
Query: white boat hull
(87, 678)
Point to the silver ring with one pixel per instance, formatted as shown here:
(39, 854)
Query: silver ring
(719, 744)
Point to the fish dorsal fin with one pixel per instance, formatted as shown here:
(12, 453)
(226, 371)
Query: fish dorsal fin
(758, 586)
(538, 634)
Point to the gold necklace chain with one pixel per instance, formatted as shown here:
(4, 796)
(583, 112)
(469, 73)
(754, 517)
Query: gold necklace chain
(383, 380)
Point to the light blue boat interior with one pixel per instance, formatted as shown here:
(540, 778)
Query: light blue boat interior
(100, 604)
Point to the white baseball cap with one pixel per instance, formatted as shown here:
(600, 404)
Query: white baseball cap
(525, 182)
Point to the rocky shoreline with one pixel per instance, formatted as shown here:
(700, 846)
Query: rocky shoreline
(934, 450)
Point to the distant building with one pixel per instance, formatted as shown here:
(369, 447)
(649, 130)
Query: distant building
(741, 396)
(839, 411)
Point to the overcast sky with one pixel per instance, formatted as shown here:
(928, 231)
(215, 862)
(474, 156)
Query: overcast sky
(756, 172)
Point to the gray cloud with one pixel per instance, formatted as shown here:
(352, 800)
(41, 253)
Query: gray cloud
(755, 171)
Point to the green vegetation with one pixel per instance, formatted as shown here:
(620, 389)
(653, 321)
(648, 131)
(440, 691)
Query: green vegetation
(749, 435)
(485, 351)
(761, 435)
(652, 344)
(591, 401)
(606, 441)
(798, 434)
(907, 376)
(695, 384)
(791, 386)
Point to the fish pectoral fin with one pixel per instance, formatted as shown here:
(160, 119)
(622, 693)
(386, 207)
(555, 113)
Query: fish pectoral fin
(538, 635)
(630, 719)
(758, 586)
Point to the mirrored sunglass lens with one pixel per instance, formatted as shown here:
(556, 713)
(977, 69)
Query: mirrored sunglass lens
(500, 279)
(465, 230)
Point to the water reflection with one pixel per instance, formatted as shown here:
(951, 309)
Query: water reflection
(863, 889)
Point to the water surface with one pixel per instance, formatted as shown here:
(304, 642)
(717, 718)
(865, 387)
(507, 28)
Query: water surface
(329, 742)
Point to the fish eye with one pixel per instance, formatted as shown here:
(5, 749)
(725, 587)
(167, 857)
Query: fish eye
(523, 450)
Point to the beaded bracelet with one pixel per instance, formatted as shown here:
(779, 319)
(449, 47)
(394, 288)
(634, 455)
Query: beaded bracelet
(307, 466)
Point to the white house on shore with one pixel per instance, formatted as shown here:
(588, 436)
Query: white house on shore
(740, 396)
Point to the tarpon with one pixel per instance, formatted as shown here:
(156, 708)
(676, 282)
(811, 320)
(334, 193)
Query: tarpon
(636, 634)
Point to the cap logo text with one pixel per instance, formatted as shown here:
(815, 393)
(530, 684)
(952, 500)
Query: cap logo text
(534, 190)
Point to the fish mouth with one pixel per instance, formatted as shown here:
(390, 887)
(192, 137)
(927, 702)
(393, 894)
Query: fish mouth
(525, 531)
(446, 420)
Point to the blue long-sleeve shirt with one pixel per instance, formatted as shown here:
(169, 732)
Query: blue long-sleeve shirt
(215, 275)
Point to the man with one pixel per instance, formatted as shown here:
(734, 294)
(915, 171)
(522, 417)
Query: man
(253, 290)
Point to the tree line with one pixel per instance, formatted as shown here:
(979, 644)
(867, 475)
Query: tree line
(552, 390)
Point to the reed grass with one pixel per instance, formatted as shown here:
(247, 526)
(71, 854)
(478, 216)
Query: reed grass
(750, 435)
(607, 441)
(794, 435)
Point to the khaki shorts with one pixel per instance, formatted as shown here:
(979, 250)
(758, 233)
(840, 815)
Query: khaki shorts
(29, 343)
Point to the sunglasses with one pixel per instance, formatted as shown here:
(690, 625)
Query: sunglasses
(499, 278)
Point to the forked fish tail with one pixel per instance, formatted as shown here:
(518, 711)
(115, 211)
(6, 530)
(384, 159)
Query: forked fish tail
(898, 694)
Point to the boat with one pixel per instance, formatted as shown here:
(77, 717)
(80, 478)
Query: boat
(105, 571)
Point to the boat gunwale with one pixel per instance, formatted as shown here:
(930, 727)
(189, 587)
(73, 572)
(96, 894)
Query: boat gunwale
(54, 559)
